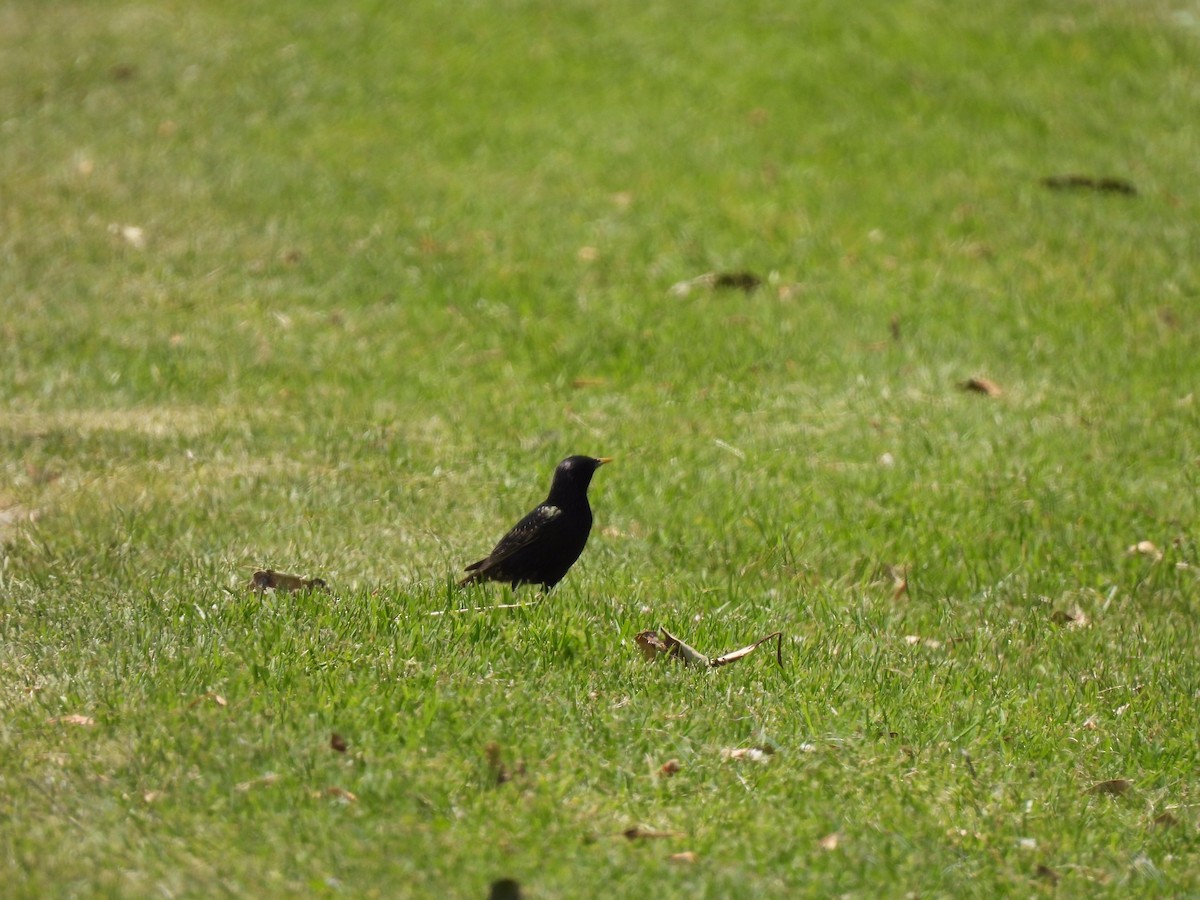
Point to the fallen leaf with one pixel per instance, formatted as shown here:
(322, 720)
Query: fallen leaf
(830, 842)
(745, 281)
(1088, 183)
(1046, 873)
(76, 719)
(341, 794)
(669, 768)
(638, 833)
(268, 579)
(1144, 548)
(678, 648)
(132, 235)
(496, 763)
(1114, 787)
(751, 754)
(209, 695)
(735, 655)
(651, 646)
(152, 796)
(41, 475)
(1165, 820)
(1072, 618)
(742, 281)
(982, 386)
(501, 772)
(262, 781)
(338, 743)
(687, 857)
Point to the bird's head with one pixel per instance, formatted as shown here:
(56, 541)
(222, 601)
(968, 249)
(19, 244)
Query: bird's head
(575, 473)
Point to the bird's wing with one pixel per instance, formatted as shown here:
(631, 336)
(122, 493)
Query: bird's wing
(524, 533)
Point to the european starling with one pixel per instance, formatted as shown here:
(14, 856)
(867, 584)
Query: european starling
(545, 544)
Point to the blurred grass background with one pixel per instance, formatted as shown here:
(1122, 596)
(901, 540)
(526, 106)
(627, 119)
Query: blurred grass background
(332, 289)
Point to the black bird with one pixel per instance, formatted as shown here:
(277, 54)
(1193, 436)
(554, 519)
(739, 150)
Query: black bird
(545, 544)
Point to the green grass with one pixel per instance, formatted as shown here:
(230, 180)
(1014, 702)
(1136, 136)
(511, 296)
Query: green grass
(398, 262)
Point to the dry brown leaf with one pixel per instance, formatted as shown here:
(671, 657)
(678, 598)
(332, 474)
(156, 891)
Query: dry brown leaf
(41, 475)
(751, 754)
(744, 281)
(831, 841)
(75, 719)
(1144, 548)
(267, 579)
(133, 235)
(1114, 787)
(690, 656)
(743, 652)
(1165, 820)
(982, 386)
(1046, 873)
(209, 695)
(1106, 185)
(341, 794)
(338, 743)
(152, 796)
(262, 781)
(669, 768)
(687, 857)
(1072, 618)
(650, 644)
(638, 833)
(653, 646)
(496, 763)
(500, 771)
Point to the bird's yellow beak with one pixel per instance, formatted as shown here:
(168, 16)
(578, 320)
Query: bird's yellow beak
(603, 459)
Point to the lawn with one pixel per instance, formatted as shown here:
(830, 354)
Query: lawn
(329, 289)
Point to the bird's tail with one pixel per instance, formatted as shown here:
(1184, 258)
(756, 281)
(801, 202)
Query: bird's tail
(476, 575)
